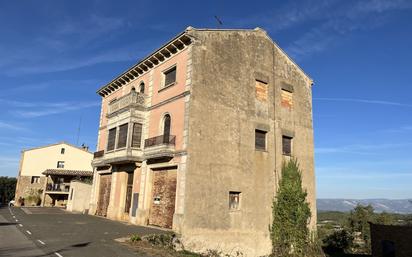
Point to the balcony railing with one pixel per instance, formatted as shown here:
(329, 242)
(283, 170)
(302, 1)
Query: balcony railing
(57, 187)
(160, 140)
(98, 154)
(125, 101)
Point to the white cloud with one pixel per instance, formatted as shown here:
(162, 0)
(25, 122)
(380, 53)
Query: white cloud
(364, 101)
(45, 109)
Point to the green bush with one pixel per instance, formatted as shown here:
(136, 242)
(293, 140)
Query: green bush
(135, 238)
(338, 241)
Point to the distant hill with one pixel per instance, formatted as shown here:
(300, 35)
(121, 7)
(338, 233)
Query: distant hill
(388, 205)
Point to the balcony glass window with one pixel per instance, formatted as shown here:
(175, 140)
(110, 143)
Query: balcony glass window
(122, 141)
(137, 135)
(111, 139)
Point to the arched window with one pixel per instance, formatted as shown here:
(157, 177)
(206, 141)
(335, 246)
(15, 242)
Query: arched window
(166, 128)
(141, 89)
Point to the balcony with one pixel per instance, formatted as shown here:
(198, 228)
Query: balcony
(62, 188)
(159, 147)
(133, 99)
(98, 154)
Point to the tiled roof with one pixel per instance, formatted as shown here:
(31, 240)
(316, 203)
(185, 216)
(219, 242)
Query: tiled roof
(63, 172)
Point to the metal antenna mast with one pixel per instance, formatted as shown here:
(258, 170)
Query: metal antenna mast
(78, 130)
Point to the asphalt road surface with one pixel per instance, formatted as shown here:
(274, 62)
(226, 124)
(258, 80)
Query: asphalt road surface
(44, 232)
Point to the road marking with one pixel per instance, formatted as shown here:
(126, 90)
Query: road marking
(21, 225)
(28, 232)
(58, 254)
(14, 217)
(17, 220)
(41, 242)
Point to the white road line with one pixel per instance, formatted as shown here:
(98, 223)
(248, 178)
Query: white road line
(28, 232)
(58, 254)
(41, 242)
(14, 217)
(21, 225)
(17, 220)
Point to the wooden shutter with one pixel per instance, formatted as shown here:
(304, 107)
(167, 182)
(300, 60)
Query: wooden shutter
(122, 136)
(137, 135)
(260, 139)
(170, 76)
(111, 139)
(287, 145)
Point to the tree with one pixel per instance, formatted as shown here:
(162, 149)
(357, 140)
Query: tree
(384, 218)
(7, 189)
(358, 224)
(291, 214)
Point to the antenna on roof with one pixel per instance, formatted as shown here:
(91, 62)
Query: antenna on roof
(218, 21)
(78, 130)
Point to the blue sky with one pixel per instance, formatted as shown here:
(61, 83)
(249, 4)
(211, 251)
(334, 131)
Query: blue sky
(54, 55)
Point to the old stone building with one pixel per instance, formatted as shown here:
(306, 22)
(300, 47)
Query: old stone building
(193, 137)
(45, 173)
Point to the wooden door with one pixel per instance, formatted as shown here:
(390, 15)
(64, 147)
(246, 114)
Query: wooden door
(163, 198)
(104, 194)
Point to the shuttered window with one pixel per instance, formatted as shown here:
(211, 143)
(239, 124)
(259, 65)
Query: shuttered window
(287, 145)
(170, 76)
(137, 135)
(260, 139)
(122, 141)
(111, 139)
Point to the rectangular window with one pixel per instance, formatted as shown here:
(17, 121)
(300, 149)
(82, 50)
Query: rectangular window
(261, 90)
(60, 164)
(260, 139)
(169, 76)
(35, 179)
(137, 135)
(111, 139)
(234, 201)
(287, 145)
(122, 141)
(287, 99)
(62, 151)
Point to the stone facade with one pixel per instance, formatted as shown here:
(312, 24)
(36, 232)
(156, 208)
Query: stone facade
(390, 241)
(230, 85)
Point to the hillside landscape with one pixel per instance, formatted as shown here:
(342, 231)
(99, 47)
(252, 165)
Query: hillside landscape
(403, 206)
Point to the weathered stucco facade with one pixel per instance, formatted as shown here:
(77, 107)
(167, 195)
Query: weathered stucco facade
(239, 107)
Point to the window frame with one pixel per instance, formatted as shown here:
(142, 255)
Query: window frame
(114, 140)
(60, 165)
(164, 74)
(126, 125)
(35, 180)
(237, 205)
(264, 133)
(285, 137)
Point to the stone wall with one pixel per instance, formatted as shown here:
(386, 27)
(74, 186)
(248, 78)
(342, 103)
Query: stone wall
(386, 238)
(25, 188)
(236, 89)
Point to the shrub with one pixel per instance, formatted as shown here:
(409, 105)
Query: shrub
(338, 241)
(135, 238)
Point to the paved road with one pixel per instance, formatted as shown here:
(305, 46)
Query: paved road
(54, 232)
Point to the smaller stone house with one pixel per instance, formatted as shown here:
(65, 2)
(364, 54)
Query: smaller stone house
(391, 241)
(45, 173)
